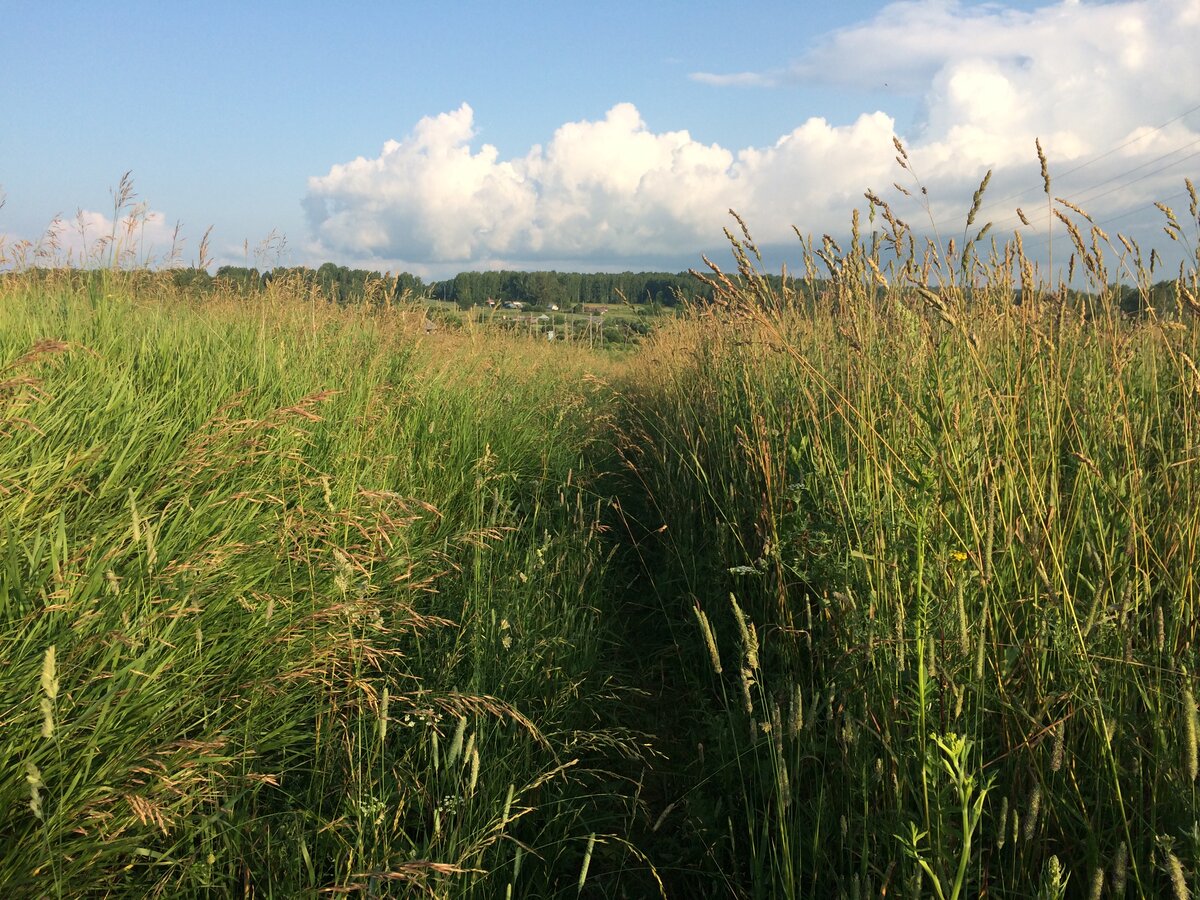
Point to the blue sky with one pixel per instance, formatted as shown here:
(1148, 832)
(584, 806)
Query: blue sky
(581, 135)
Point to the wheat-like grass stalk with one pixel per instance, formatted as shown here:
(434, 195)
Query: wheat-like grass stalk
(1191, 740)
(33, 778)
(710, 641)
(49, 685)
(1033, 810)
(977, 198)
(1179, 887)
(1120, 870)
(748, 635)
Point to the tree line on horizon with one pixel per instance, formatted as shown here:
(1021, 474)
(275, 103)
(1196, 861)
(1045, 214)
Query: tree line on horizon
(568, 290)
(534, 288)
(344, 285)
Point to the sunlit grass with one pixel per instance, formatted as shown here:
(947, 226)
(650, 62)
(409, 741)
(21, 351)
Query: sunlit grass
(319, 592)
(881, 583)
(963, 529)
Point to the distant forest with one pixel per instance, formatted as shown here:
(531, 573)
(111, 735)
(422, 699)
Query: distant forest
(347, 286)
(564, 289)
(573, 290)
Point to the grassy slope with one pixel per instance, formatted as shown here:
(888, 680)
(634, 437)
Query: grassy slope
(335, 603)
(322, 598)
(947, 551)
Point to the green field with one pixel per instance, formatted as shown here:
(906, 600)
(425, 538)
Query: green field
(882, 584)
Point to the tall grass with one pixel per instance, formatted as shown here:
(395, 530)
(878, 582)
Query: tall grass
(293, 599)
(877, 584)
(943, 536)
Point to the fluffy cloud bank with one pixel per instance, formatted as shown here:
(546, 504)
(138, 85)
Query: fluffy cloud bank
(598, 189)
(1085, 78)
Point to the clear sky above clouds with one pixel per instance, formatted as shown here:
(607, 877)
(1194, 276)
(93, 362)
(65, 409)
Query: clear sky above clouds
(587, 136)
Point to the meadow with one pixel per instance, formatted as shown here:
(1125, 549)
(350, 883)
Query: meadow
(875, 582)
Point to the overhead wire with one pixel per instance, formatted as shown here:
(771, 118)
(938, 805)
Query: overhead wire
(1084, 198)
(1085, 195)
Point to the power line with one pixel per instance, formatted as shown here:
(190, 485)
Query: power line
(1032, 191)
(1130, 141)
(1039, 239)
(1143, 177)
(1180, 195)
(1080, 197)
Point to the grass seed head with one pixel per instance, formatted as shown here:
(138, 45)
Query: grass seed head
(473, 779)
(33, 777)
(1058, 747)
(456, 743)
(1041, 154)
(1191, 749)
(748, 634)
(1002, 819)
(747, 681)
(1179, 887)
(1053, 879)
(1120, 870)
(49, 676)
(1032, 811)
(977, 199)
(710, 640)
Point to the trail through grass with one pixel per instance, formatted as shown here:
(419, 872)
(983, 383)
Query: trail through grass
(936, 552)
(879, 583)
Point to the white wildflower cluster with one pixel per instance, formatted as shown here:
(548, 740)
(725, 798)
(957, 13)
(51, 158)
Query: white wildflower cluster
(421, 717)
(371, 809)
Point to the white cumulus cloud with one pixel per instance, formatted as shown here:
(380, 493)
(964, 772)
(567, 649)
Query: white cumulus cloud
(1089, 79)
(603, 189)
(597, 188)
